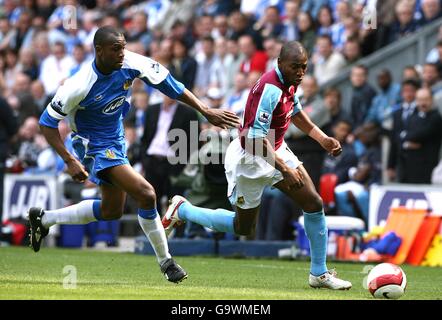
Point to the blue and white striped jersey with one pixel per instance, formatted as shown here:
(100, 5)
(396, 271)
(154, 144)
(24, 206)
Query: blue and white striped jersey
(95, 104)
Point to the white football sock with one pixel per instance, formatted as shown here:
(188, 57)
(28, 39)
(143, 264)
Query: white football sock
(80, 213)
(154, 230)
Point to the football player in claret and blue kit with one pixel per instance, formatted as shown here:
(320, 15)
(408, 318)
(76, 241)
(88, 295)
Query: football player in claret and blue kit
(94, 101)
(259, 157)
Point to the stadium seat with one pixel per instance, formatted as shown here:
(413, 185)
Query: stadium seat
(327, 184)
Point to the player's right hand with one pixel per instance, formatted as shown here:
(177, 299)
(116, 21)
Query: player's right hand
(76, 170)
(294, 179)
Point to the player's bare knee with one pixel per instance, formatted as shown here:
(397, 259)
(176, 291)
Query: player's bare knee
(147, 196)
(313, 205)
(111, 213)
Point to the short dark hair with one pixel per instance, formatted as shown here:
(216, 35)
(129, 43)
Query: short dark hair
(105, 34)
(332, 90)
(292, 49)
(412, 82)
(361, 66)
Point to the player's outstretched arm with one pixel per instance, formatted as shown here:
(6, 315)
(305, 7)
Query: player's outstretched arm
(303, 122)
(218, 117)
(75, 169)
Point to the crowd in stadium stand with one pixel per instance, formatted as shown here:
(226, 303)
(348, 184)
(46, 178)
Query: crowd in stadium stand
(219, 49)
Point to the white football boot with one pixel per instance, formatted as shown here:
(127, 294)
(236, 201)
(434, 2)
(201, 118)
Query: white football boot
(171, 219)
(328, 280)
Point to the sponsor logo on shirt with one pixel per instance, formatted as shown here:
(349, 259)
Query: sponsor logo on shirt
(113, 106)
(264, 117)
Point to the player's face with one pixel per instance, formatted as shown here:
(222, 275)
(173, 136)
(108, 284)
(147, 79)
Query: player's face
(112, 53)
(293, 71)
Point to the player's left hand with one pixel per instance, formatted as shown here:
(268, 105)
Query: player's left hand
(222, 118)
(332, 146)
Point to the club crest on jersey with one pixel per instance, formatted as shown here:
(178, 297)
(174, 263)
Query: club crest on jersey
(264, 117)
(113, 106)
(99, 97)
(110, 154)
(127, 84)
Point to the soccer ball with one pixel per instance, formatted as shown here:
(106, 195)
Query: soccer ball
(387, 281)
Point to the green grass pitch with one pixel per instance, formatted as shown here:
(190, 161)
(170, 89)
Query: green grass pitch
(105, 275)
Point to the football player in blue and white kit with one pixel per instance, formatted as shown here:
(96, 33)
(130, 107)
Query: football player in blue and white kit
(94, 101)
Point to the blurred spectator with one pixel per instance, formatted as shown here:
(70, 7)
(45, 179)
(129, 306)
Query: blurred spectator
(178, 9)
(351, 51)
(5, 31)
(111, 19)
(24, 146)
(156, 10)
(410, 72)
(80, 59)
(221, 27)
(272, 48)
(431, 77)
(349, 30)
(308, 150)
(327, 62)
(40, 98)
(404, 23)
(401, 123)
(21, 99)
(290, 30)
(232, 63)
(8, 128)
(270, 25)
(183, 67)
(28, 63)
(352, 197)
(255, 60)
(362, 95)
(56, 68)
(332, 101)
(313, 6)
(307, 32)
(41, 46)
(417, 141)
(239, 26)
(383, 103)
(11, 68)
(431, 11)
(209, 72)
(434, 56)
(160, 120)
(23, 32)
(341, 164)
(325, 21)
(138, 32)
(236, 100)
(136, 115)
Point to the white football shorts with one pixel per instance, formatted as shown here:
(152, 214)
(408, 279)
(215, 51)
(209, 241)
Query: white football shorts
(247, 175)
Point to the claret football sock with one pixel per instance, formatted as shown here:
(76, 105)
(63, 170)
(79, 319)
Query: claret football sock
(317, 233)
(151, 224)
(220, 220)
(81, 213)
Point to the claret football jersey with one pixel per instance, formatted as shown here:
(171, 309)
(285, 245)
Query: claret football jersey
(270, 106)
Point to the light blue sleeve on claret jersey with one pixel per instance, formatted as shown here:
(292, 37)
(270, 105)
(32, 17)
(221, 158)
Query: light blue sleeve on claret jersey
(296, 106)
(270, 97)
